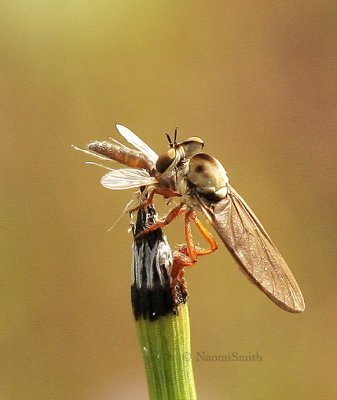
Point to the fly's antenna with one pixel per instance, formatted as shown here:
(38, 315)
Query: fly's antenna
(169, 140)
(175, 136)
(173, 143)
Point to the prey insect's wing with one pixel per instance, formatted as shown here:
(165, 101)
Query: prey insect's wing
(127, 178)
(91, 153)
(247, 240)
(133, 139)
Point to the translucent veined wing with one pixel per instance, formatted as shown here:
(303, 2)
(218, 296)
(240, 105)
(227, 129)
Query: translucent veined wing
(91, 153)
(133, 139)
(127, 178)
(249, 243)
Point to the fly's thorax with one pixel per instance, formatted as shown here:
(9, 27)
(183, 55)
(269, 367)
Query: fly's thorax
(207, 177)
(191, 146)
(183, 186)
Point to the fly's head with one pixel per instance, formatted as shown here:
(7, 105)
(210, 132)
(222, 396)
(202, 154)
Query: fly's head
(178, 152)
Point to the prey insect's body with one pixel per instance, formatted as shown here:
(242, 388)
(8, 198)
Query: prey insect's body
(201, 182)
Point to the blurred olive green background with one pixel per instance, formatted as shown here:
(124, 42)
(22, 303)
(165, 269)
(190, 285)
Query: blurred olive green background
(257, 81)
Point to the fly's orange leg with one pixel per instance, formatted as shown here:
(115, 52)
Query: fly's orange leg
(174, 213)
(188, 253)
(178, 283)
(194, 251)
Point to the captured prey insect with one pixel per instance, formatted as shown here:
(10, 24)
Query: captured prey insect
(201, 182)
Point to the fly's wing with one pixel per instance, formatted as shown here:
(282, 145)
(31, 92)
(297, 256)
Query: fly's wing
(249, 243)
(137, 143)
(127, 178)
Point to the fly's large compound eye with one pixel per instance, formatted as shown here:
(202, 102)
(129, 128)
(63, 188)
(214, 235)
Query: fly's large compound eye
(166, 160)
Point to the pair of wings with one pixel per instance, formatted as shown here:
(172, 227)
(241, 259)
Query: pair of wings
(236, 225)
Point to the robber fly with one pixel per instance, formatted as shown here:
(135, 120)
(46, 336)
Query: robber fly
(201, 182)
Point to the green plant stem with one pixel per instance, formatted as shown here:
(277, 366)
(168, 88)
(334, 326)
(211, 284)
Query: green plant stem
(165, 344)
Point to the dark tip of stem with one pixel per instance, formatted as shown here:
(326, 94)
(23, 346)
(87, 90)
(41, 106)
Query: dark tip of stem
(151, 290)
